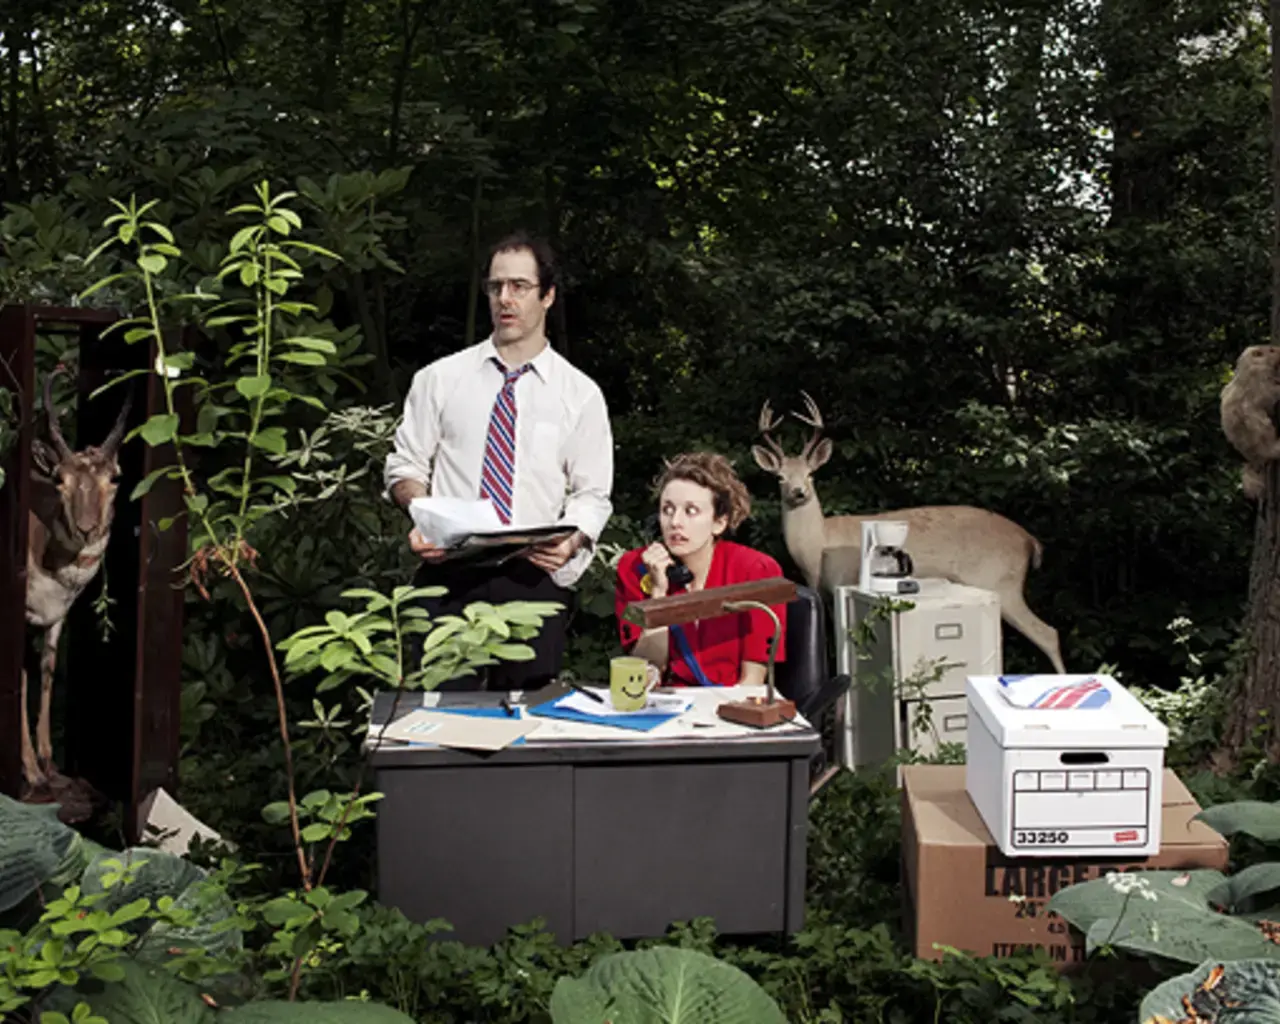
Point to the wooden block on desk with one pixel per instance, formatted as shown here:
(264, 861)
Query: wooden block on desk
(707, 604)
(757, 713)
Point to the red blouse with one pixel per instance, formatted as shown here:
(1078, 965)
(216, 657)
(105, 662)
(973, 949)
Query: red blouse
(721, 644)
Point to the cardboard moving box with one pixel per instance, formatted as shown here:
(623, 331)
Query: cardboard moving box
(959, 885)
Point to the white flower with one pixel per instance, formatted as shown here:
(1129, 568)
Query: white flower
(1125, 884)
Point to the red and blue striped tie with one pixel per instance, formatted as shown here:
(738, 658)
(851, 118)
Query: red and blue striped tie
(499, 471)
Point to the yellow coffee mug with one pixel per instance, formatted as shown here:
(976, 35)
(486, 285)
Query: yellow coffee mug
(630, 680)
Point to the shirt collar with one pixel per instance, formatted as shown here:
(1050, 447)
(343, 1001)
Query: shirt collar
(542, 363)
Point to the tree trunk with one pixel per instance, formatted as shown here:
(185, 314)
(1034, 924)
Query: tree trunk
(1254, 714)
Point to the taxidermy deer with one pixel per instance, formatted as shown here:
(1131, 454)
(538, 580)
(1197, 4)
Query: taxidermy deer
(954, 542)
(72, 505)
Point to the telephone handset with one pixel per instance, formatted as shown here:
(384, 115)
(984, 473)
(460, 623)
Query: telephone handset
(678, 574)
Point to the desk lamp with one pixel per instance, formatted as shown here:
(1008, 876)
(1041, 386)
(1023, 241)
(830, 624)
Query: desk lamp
(678, 609)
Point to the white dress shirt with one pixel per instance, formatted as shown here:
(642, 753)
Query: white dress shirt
(564, 445)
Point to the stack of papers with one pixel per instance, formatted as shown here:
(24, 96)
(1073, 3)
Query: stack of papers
(1055, 692)
(447, 522)
(462, 728)
(577, 707)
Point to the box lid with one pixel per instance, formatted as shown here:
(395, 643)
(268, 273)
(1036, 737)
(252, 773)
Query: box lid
(1122, 722)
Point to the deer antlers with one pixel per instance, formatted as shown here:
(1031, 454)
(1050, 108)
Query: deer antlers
(769, 423)
(814, 420)
(63, 450)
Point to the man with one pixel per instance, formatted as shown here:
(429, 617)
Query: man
(510, 420)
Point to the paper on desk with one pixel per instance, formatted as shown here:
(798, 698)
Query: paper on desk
(443, 729)
(448, 521)
(657, 703)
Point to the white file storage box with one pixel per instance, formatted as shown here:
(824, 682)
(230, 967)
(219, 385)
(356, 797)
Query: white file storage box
(1083, 781)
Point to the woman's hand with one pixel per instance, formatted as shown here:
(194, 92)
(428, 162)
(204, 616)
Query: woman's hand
(656, 558)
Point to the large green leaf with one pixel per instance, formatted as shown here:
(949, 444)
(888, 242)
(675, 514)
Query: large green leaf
(145, 995)
(1252, 817)
(1179, 923)
(276, 1012)
(1244, 885)
(663, 985)
(211, 906)
(1252, 984)
(34, 847)
(151, 874)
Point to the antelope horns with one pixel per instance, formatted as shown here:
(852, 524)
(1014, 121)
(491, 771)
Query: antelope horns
(51, 412)
(112, 442)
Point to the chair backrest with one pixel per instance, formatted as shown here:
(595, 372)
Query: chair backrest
(805, 670)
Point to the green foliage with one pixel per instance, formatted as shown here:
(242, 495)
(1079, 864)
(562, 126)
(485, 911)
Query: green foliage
(147, 995)
(372, 643)
(1251, 817)
(662, 986)
(1171, 914)
(35, 847)
(1247, 991)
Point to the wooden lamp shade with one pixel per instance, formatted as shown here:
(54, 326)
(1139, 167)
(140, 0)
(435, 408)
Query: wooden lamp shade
(678, 609)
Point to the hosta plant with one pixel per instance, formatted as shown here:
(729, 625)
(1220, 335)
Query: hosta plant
(1188, 916)
(663, 985)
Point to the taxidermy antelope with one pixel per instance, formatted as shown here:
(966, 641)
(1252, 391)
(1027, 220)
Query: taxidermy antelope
(72, 505)
(954, 542)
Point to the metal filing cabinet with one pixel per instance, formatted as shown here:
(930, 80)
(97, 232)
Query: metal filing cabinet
(908, 685)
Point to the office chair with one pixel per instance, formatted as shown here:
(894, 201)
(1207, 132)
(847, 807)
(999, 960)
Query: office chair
(805, 678)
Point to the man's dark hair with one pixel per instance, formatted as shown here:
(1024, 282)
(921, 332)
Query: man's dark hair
(543, 254)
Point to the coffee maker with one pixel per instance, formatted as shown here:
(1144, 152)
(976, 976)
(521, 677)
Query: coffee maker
(886, 567)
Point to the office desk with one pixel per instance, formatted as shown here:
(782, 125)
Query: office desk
(623, 833)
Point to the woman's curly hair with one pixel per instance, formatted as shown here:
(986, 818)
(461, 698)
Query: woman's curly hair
(715, 473)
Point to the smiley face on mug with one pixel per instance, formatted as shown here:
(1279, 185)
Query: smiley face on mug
(630, 680)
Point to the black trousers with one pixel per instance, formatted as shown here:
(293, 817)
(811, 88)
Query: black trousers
(517, 580)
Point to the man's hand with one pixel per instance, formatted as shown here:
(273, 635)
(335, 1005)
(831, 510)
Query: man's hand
(550, 555)
(423, 548)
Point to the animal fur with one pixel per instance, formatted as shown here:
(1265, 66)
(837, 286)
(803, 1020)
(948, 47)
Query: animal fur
(72, 507)
(1248, 401)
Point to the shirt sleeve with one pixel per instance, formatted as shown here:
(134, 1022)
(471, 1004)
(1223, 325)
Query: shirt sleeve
(759, 566)
(589, 468)
(627, 589)
(417, 437)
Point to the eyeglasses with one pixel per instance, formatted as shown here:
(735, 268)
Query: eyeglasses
(518, 285)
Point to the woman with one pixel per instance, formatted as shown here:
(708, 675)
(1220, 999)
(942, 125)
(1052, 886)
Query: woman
(700, 498)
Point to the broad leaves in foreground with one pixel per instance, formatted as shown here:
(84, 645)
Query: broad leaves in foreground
(150, 995)
(1242, 991)
(663, 985)
(1176, 919)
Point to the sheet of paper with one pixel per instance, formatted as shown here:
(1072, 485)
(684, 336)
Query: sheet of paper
(659, 703)
(1056, 692)
(439, 728)
(447, 521)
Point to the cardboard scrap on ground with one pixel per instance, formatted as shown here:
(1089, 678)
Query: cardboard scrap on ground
(172, 824)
